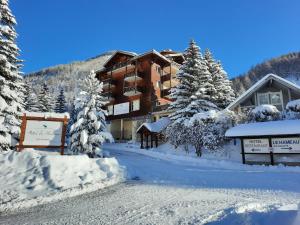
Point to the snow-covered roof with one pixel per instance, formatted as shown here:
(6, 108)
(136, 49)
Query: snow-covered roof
(156, 127)
(153, 51)
(271, 128)
(119, 51)
(46, 114)
(260, 83)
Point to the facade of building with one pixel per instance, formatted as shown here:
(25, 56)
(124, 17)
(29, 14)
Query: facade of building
(271, 89)
(137, 88)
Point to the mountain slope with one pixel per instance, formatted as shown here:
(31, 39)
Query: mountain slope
(66, 76)
(286, 66)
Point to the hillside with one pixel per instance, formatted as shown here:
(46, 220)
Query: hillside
(286, 66)
(66, 76)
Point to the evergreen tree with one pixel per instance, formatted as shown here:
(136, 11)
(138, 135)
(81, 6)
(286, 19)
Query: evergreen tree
(60, 104)
(224, 93)
(88, 133)
(31, 100)
(11, 81)
(193, 76)
(45, 100)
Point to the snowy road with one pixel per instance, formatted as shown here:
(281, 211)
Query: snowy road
(164, 192)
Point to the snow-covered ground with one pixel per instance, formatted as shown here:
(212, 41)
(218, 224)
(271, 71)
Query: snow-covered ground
(33, 177)
(175, 189)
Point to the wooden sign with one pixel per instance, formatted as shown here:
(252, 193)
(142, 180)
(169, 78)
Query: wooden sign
(286, 145)
(256, 145)
(40, 130)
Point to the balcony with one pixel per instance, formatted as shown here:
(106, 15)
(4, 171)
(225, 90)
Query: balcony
(132, 91)
(165, 93)
(131, 77)
(108, 84)
(108, 96)
(120, 66)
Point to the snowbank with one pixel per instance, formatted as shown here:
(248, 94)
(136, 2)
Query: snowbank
(228, 158)
(32, 177)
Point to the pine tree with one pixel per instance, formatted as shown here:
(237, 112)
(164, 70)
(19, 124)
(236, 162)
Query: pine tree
(193, 77)
(60, 104)
(11, 81)
(45, 100)
(31, 100)
(224, 93)
(88, 133)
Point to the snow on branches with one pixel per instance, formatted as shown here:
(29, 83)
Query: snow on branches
(264, 113)
(11, 81)
(88, 132)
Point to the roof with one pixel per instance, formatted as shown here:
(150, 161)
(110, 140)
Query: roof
(259, 84)
(271, 128)
(153, 51)
(156, 127)
(118, 52)
(135, 56)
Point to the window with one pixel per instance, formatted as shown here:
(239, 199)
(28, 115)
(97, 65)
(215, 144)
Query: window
(263, 98)
(110, 110)
(135, 105)
(158, 84)
(158, 70)
(273, 98)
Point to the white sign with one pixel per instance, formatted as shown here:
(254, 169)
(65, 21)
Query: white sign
(286, 145)
(256, 146)
(122, 108)
(43, 133)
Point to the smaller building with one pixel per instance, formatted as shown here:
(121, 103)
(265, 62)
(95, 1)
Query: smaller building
(270, 142)
(271, 89)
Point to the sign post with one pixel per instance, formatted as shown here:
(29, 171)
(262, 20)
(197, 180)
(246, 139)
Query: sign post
(40, 131)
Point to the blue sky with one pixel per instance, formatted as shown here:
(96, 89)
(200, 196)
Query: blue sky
(239, 33)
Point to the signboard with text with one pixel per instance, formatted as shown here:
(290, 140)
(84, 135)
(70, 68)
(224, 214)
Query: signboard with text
(286, 145)
(256, 145)
(46, 133)
(43, 130)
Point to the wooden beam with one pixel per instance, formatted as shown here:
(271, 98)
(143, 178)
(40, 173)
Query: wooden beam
(63, 137)
(20, 147)
(142, 141)
(243, 151)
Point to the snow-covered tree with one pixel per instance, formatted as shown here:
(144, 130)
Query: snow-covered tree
(188, 76)
(60, 104)
(264, 113)
(31, 100)
(45, 99)
(223, 92)
(207, 129)
(88, 133)
(11, 81)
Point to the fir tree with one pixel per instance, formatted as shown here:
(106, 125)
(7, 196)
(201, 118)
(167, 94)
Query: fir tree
(60, 104)
(192, 76)
(224, 93)
(89, 130)
(11, 81)
(31, 100)
(45, 100)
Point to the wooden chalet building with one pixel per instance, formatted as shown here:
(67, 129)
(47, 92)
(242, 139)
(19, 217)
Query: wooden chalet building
(137, 89)
(271, 89)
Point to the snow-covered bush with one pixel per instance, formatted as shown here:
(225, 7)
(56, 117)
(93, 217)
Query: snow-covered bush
(177, 134)
(293, 106)
(264, 113)
(88, 132)
(292, 110)
(207, 129)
